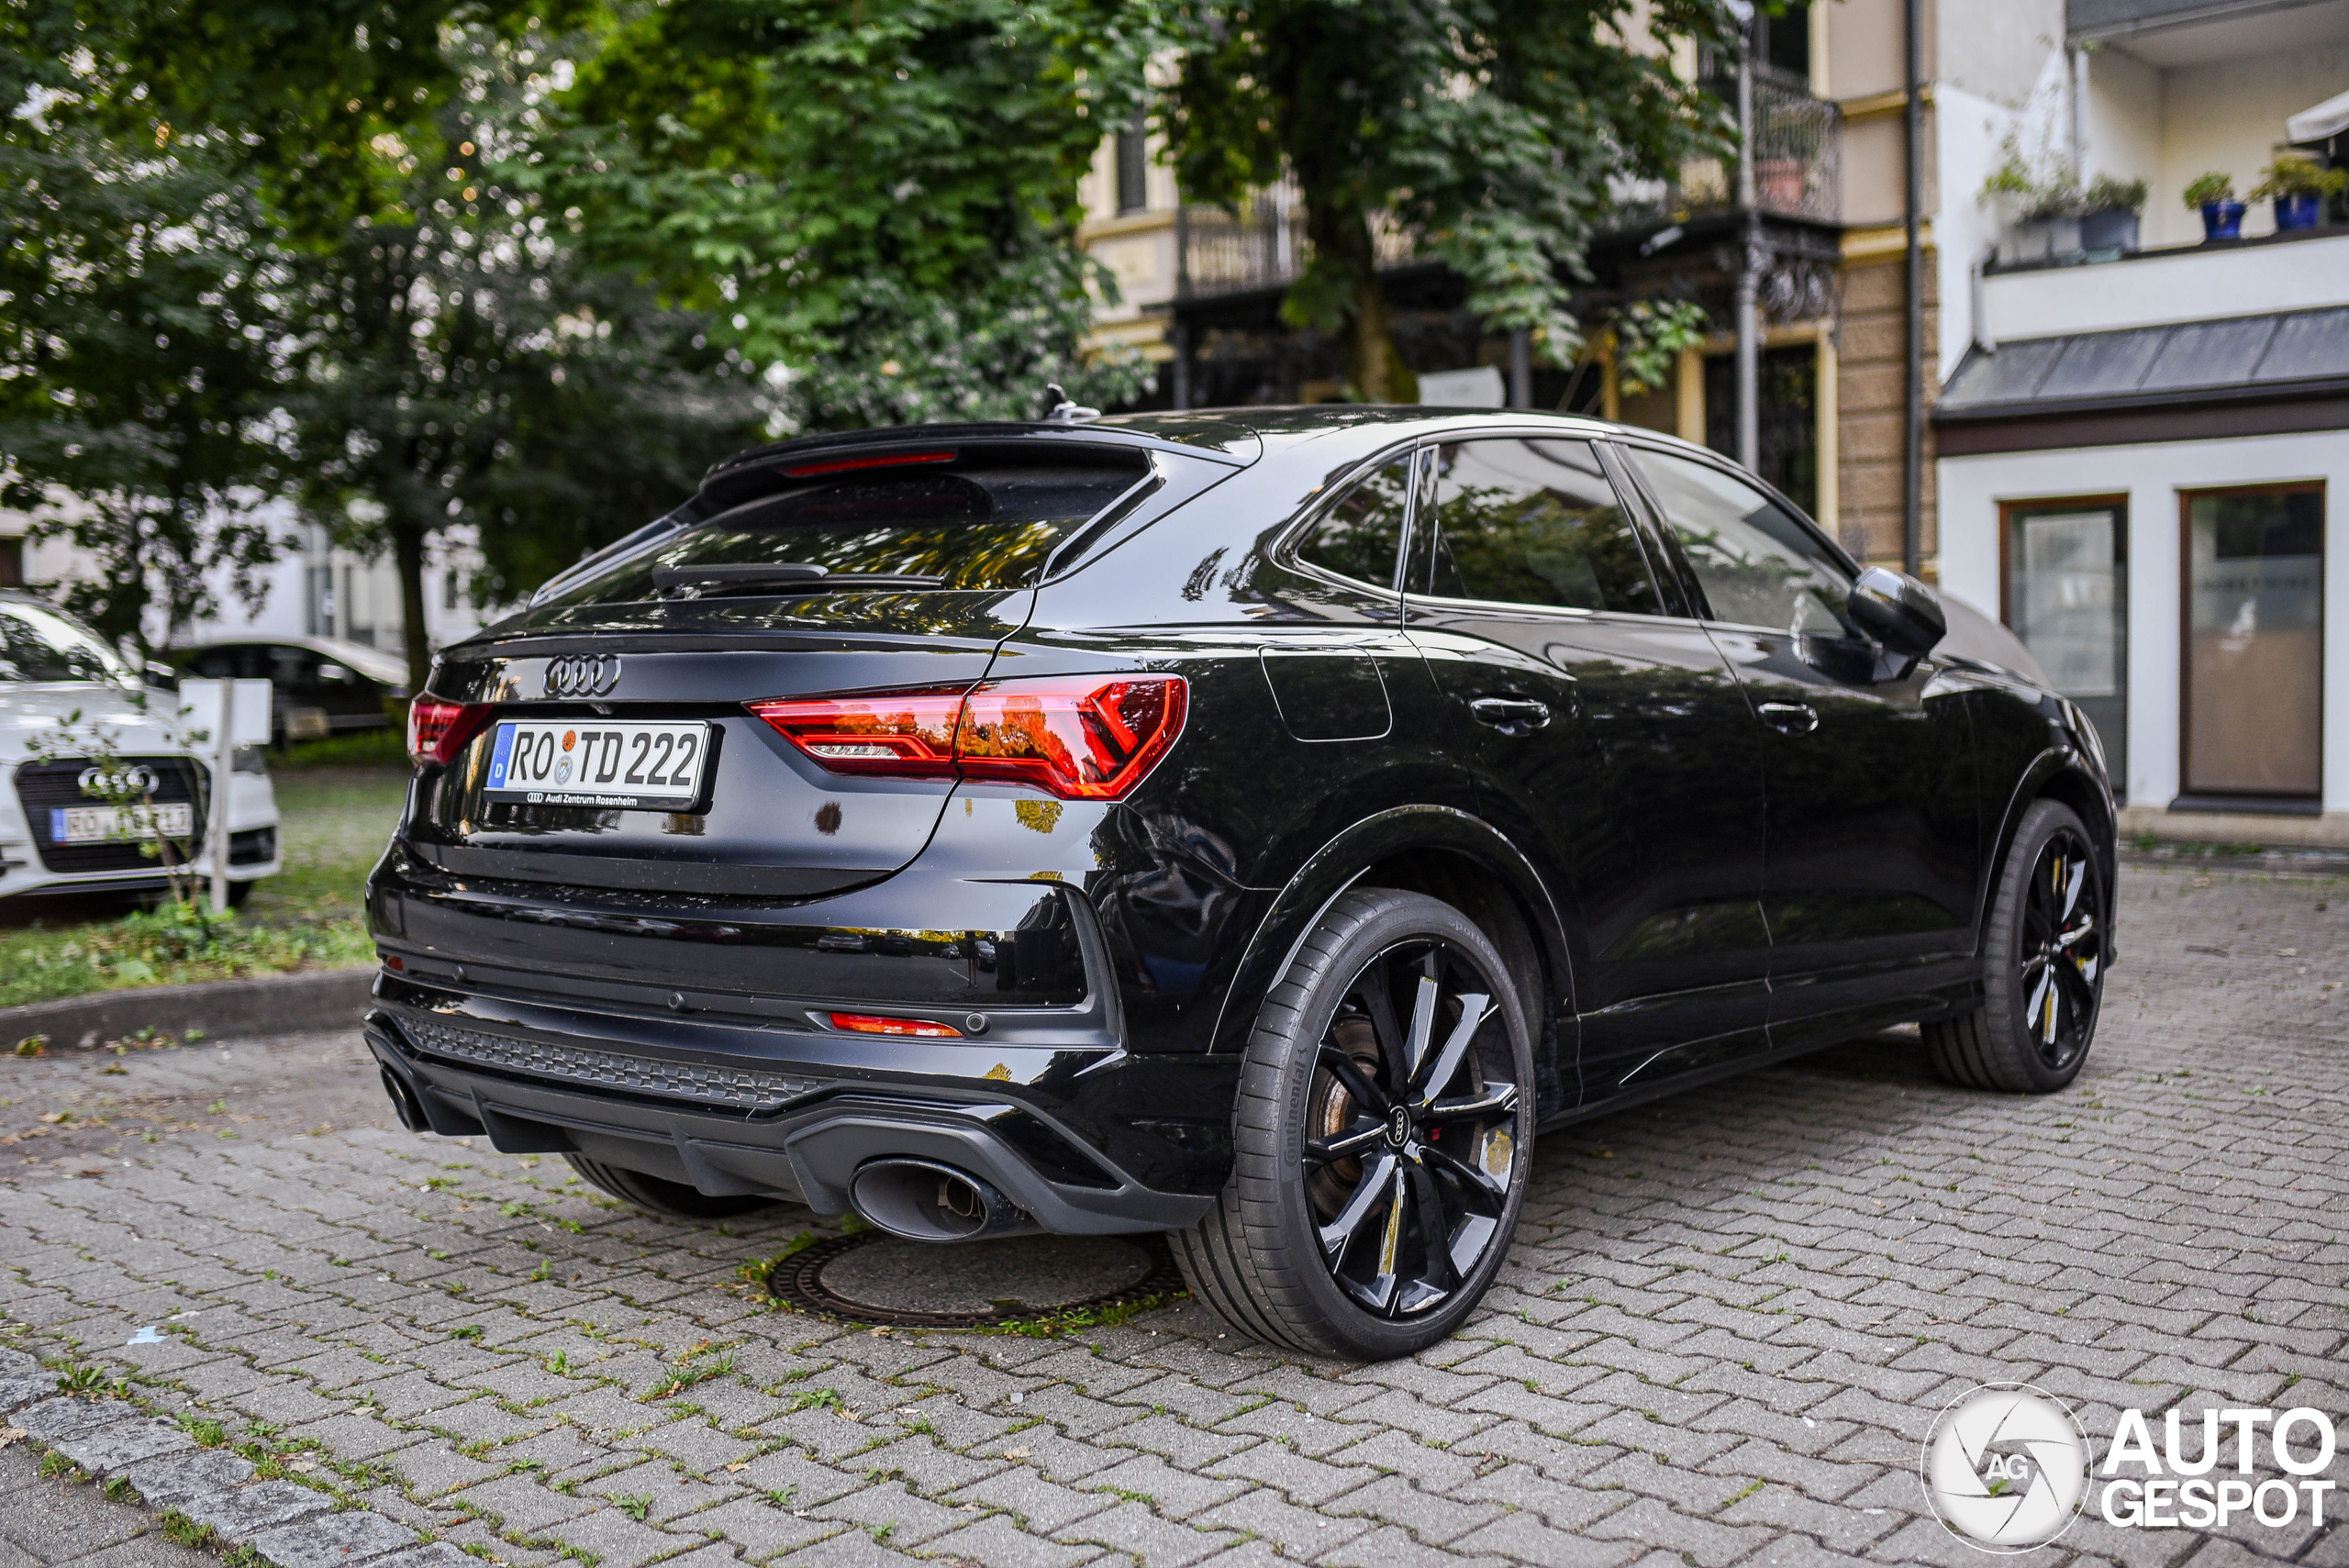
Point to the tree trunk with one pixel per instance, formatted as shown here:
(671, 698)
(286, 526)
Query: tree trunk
(1341, 238)
(408, 553)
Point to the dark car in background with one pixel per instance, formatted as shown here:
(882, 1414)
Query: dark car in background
(319, 685)
(1256, 827)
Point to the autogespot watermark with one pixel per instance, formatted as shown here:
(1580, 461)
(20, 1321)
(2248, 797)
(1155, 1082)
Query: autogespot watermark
(2008, 1468)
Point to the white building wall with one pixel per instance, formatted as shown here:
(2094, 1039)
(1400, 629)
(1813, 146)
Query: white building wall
(1970, 489)
(2229, 116)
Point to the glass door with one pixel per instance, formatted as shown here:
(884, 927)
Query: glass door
(2255, 643)
(2067, 597)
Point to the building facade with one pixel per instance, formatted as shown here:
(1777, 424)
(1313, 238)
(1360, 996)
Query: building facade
(2131, 452)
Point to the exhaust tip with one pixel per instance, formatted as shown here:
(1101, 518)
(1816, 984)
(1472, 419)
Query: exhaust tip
(404, 1101)
(923, 1201)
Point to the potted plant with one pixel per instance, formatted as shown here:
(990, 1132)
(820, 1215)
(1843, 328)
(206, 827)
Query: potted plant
(2108, 219)
(2006, 193)
(2214, 195)
(2051, 218)
(2298, 186)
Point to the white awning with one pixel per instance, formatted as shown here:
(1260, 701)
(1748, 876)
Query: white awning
(2328, 118)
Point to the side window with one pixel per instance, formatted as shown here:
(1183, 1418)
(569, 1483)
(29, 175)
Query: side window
(1758, 566)
(1361, 536)
(290, 667)
(212, 664)
(1533, 522)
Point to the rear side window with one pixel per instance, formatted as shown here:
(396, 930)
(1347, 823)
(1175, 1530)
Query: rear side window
(896, 531)
(1530, 522)
(1359, 537)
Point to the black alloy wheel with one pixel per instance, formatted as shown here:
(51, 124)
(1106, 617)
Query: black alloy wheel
(1384, 1138)
(2062, 971)
(1411, 1184)
(2044, 957)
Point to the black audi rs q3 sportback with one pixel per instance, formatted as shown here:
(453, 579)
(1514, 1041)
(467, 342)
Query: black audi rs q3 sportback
(1250, 826)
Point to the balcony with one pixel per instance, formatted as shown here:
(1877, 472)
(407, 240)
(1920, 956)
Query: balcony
(1797, 173)
(1797, 164)
(1263, 248)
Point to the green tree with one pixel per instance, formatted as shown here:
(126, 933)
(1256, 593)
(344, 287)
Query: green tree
(462, 366)
(878, 195)
(1494, 132)
(137, 354)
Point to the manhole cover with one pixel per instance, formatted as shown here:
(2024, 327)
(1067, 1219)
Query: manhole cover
(873, 1278)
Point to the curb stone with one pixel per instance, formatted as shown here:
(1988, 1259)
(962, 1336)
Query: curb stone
(263, 1005)
(285, 1525)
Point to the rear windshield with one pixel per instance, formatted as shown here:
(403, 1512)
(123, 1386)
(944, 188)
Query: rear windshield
(904, 531)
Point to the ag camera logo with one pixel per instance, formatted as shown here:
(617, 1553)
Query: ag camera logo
(2005, 1467)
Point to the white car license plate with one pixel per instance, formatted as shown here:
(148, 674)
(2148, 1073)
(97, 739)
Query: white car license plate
(598, 762)
(105, 825)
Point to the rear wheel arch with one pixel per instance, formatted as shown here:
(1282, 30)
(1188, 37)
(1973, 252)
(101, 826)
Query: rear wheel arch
(1449, 855)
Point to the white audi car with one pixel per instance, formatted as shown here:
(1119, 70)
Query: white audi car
(54, 837)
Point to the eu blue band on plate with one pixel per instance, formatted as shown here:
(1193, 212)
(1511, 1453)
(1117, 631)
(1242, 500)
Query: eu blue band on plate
(501, 756)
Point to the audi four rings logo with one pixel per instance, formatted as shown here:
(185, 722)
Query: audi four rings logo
(583, 675)
(138, 778)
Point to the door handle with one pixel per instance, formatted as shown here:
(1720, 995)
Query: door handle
(1510, 713)
(1790, 718)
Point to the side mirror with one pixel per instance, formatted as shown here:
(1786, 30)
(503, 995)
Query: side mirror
(1898, 611)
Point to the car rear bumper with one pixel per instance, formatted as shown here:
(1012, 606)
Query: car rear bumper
(1083, 1140)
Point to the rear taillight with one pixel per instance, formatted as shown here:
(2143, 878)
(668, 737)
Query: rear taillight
(905, 735)
(437, 731)
(1080, 736)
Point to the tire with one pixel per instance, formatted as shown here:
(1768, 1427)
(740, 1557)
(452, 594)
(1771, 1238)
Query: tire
(2043, 960)
(239, 892)
(1320, 1064)
(654, 1195)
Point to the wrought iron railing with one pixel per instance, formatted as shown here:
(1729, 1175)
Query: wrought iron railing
(1798, 163)
(1264, 247)
(1797, 173)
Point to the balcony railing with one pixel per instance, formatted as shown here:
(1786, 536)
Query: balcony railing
(1264, 247)
(1797, 173)
(1797, 164)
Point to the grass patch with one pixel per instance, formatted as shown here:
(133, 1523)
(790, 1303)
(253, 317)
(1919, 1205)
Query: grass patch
(334, 821)
(168, 946)
(385, 748)
(685, 1377)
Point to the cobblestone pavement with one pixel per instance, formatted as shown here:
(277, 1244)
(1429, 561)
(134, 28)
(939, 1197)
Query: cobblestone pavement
(1728, 1322)
(48, 1522)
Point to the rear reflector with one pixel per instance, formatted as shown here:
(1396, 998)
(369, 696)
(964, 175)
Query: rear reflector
(437, 731)
(848, 464)
(869, 1023)
(1078, 737)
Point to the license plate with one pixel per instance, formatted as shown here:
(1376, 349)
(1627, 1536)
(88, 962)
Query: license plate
(107, 825)
(608, 762)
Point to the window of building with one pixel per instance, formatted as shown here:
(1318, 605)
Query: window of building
(2254, 641)
(1788, 425)
(2066, 595)
(1133, 168)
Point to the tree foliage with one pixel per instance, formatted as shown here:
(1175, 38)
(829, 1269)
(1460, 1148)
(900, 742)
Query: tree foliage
(1498, 134)
(138, 352)
(880, 194)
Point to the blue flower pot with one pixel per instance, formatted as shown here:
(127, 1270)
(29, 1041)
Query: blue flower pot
(2295, 212)
(2222, 220)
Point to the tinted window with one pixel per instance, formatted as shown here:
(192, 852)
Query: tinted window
(990, 527)
(1534, 523)
(1758, 566)
(40, 644)
(212, 664)
(1362, 535)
